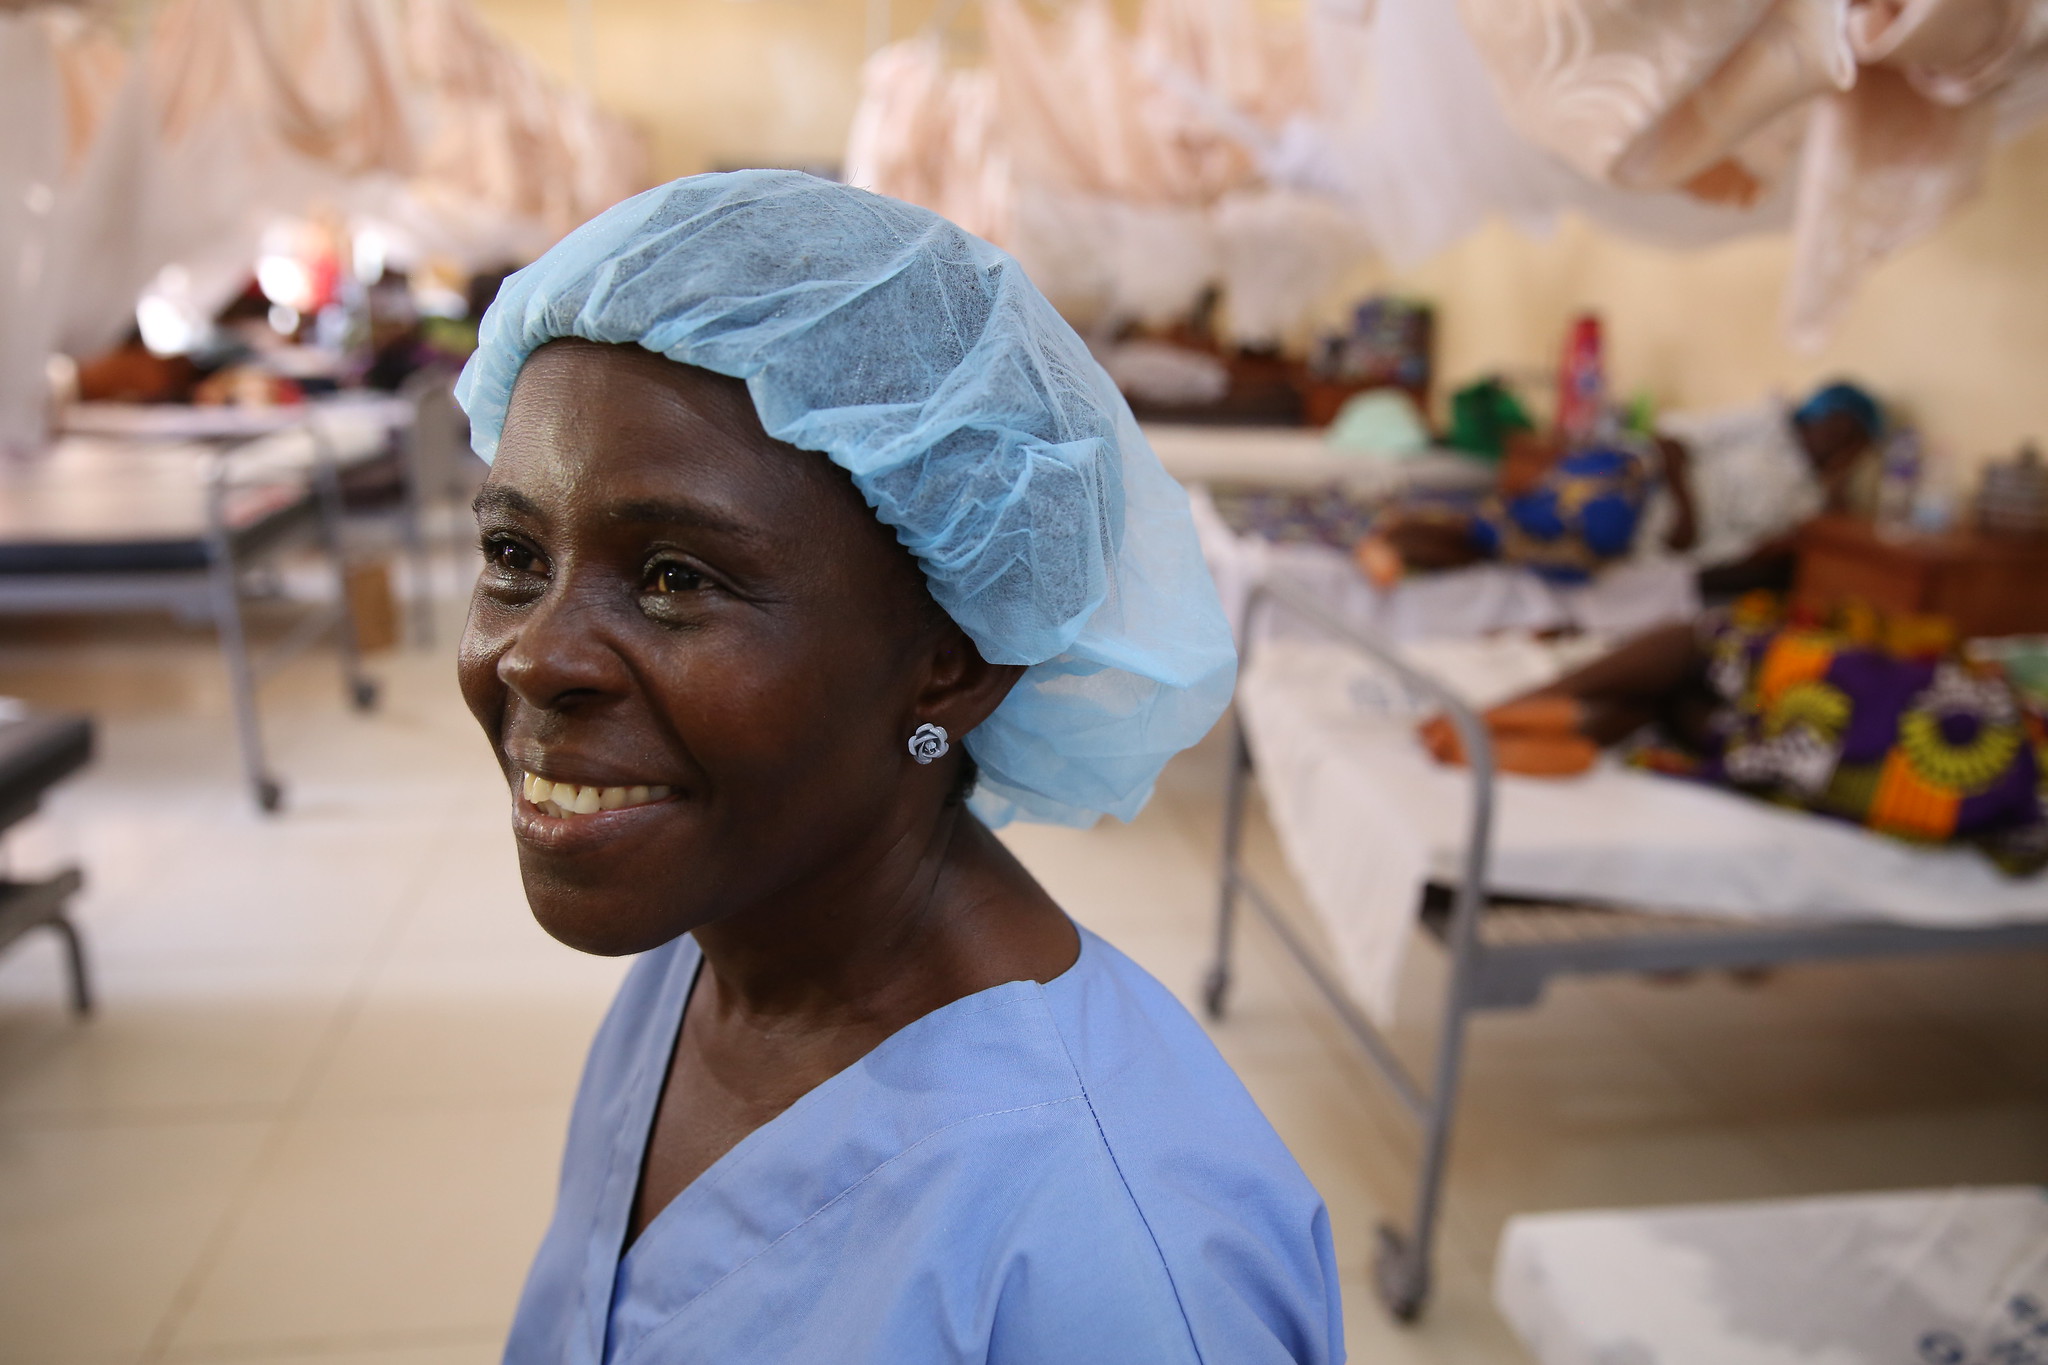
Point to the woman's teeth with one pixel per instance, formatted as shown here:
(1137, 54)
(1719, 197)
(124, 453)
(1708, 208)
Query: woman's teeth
(566, 798)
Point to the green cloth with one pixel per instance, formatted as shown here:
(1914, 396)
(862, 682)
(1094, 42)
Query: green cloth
(1382, 422)
(1482, 417)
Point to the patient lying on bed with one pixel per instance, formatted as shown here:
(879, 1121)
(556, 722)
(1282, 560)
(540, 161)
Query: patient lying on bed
(1878, 722)
(1727, 490)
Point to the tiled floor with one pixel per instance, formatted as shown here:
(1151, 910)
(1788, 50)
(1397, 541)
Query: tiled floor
(317, 1117)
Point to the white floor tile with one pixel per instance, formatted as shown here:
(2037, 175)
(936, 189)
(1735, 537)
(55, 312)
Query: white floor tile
(100, 1228)
(166, 1044)
(409, 1224)
(475, 1351)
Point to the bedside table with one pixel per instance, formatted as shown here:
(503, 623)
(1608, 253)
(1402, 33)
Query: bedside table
(1987, 585)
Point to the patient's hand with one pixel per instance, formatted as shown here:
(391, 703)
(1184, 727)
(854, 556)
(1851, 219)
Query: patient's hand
(1379, 560)
(1544, 755)
(1533, 736)
(1440, 737)
(1539, 713)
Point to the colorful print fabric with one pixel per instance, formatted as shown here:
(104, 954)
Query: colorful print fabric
(1862, 720)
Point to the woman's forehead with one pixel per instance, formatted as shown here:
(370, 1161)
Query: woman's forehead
(619, 435)
(627, 389)
(608, 424)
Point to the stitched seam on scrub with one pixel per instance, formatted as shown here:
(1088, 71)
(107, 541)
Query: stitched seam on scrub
(655, 1330)
(1110, 1151)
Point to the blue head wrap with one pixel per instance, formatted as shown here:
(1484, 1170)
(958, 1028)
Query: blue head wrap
(972, 419)
(1843, 398)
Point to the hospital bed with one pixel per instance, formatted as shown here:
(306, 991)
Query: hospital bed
(355, 429)
(36, 753)
(116, 524)
(1525, 880)
(1282, 457)
(1937, 1277)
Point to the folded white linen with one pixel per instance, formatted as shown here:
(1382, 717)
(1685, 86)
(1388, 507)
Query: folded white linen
(1928, 1276)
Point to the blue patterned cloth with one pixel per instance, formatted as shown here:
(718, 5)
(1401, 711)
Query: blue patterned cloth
(1583, 513)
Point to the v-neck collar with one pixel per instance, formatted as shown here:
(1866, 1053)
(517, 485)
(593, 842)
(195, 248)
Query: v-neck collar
(804, 1157)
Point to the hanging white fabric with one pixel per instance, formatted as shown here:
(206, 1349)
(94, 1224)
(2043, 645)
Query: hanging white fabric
(1882, 111)
(229, 114)
(1857, 124)
(1125, 170)
(31, 173)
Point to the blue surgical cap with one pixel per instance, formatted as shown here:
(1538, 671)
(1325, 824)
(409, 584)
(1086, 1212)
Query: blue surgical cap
(1847, 398)
(972, 419)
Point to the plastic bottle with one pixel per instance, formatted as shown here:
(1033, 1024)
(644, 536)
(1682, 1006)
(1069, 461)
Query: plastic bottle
(1581, 383)
(1898, 480)
(1937, 504)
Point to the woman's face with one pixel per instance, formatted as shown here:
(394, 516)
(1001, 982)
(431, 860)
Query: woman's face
(672, 601)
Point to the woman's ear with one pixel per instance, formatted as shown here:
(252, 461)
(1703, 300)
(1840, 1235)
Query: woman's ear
(961, 688)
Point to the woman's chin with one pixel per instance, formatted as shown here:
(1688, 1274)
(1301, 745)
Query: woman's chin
(616, 901)
(595, 925)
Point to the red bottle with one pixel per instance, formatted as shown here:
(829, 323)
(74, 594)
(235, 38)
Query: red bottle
(1581, 383)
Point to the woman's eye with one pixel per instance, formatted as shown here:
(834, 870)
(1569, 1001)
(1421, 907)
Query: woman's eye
(674, 578)
(509, 556)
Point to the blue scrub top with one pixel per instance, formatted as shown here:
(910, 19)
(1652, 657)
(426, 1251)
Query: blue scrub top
(1064, 1173)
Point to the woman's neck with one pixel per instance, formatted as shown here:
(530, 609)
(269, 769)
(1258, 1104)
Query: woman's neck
(916, 920)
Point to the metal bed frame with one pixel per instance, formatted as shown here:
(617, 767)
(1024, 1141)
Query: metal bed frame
(215, 591)
(411, 513)
(1503, 950)
(39, 752)
(225, 427)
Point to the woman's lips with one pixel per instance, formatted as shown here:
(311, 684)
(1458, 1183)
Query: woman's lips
(577, 799)
(570, 816)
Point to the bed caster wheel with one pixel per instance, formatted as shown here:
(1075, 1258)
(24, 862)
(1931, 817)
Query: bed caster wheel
(1215, 992)
(270, 795)
(1398, 1276)
(363, 693)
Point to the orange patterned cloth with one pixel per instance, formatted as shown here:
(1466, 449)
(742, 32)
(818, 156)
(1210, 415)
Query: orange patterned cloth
(1875, 720)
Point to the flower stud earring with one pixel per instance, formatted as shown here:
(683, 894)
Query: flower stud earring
(930, 742)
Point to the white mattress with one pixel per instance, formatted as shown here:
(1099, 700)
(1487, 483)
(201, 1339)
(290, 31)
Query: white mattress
(1365, 817)
(1956, 1277)
(1300, 457)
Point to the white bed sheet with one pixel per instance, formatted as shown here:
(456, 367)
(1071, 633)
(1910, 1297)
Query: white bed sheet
(1948, 1277)
(1365, 817)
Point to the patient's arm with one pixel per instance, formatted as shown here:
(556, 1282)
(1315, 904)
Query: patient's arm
(1434, 542)
(1685, 524)
(1559, 729)
(1621, 691)
(1645, 667)
(1767, 568)
(1402, 543)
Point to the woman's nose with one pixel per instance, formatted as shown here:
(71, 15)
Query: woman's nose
(560, 655)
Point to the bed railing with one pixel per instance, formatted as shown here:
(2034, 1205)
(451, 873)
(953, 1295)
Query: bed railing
(1401, 1264)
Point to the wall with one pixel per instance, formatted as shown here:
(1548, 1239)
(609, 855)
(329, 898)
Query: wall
(718, 82)
(1954, 332)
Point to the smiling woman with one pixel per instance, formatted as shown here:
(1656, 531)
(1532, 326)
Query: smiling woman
(794, 488)
(672, 600)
